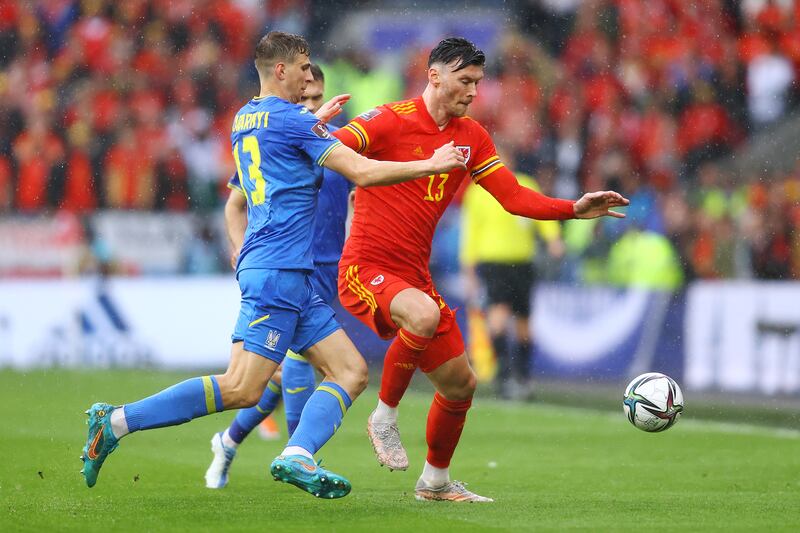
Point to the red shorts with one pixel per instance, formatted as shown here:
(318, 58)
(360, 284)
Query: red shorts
(367, 293)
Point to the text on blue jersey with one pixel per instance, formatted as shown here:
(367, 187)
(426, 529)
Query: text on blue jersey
(279, 148)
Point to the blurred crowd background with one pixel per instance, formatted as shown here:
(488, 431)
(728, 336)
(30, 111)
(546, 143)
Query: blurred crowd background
(116, 121)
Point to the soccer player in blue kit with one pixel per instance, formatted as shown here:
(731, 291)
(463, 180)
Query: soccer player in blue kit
(295, 380)
(279, 148)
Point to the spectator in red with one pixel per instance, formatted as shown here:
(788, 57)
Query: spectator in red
(80, 194)
(128, 178)
(38, 152)
(705, 131)
(6, 185)
(172, 183)
(655, 147)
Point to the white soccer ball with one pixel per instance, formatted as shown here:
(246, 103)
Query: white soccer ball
(653, 402)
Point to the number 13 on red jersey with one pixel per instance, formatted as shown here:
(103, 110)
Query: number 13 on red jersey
(436, 192)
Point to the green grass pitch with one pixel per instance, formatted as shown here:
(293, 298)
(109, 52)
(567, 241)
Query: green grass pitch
(549, 469)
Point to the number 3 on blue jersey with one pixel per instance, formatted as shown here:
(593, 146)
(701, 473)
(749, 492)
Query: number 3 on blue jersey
(249, 144)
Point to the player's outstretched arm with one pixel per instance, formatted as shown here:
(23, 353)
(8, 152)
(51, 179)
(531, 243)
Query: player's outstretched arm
(598, 204)
(366, 172)
(519, 200)
(236, 222)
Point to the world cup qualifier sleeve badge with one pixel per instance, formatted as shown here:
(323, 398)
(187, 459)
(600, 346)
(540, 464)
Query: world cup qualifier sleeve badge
(321, 130)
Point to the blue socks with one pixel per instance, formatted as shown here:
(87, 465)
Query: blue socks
(298, 386)
(176, 405)
(247, 419)
(321, 417)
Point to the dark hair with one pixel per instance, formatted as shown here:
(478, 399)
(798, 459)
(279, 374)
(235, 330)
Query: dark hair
(317, 73)
(279, 46)
(456, 48)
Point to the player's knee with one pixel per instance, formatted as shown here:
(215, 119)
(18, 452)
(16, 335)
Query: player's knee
(424, 318)
(462, 388)
(238, 393)
(353, 376)
(358, 377)
(277, 377)
(497, 317)
(241, 398)
(468, 385)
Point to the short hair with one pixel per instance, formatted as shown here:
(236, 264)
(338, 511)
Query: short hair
(317, 73)
(278, 46)
(457, 48)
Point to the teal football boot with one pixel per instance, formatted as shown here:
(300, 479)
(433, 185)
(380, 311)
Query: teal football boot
(305, 474)
(100, 442)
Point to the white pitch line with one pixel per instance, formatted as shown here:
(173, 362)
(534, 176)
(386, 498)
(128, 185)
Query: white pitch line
(693, 425)
(740, 429)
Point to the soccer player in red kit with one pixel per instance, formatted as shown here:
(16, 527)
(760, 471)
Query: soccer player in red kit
(384, 278)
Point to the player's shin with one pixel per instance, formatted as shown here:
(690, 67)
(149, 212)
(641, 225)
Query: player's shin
(247, 419)
(446, 420)
(178, 404)
(399, 365)
(298, 386)
(321, 417)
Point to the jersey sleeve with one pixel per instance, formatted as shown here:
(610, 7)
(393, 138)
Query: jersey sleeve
(310, 134)
(549, 230)
(235, 184)
(522, 201)
(369, 131)
(486, 161)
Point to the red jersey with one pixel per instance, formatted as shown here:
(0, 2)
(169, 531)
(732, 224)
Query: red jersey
(393, 225)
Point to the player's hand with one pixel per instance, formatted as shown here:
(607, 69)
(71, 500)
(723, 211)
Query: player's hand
(598, 204)
(332, 107)
(234, 258)
(447, 157)
(556, 248)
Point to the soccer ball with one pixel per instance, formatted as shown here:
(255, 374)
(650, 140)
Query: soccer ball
(653, 402)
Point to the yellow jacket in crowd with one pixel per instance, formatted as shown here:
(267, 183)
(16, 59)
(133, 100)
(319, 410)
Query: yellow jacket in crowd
(490, 234)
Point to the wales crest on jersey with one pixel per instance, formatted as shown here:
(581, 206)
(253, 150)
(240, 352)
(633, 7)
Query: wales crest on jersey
(466, 151)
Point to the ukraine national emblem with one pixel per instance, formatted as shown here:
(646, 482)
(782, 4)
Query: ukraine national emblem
(272, 339)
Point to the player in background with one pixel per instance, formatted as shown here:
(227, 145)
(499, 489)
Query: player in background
(498, 252)
(384, 279)
(295, 378)
(279, 148)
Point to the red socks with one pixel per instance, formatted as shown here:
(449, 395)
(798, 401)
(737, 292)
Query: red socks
(402, 359)
(445, 419)
(445, 423)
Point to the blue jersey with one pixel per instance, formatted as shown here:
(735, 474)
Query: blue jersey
(330, 216)
(279, 148)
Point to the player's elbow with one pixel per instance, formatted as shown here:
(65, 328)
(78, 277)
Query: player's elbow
(366, 175)
(512, 206)
(235, 206)
(369, 173)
